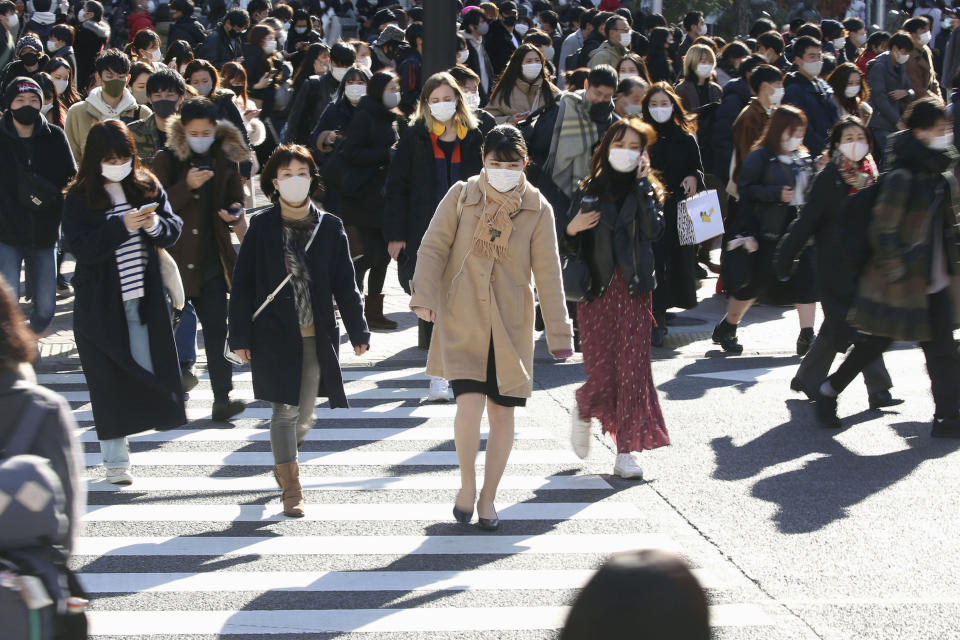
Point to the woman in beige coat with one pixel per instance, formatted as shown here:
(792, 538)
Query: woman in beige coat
(523, 88)
(489, 234)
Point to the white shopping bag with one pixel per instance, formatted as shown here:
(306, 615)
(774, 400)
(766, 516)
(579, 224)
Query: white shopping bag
(699, 218)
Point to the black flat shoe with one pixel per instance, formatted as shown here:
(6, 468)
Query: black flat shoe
(463, 517)
(883, 399)
(804, 340)
(488, 524)
(727, 338)
(223, 411)
(657, 334)
(797, 385)
(826, 409)
(945, 428)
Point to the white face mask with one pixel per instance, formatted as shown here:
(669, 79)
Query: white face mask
(624, 160)
(116, 172)
(473, 101)
(295, 189)
(156, 55)
(203, 88)
(860, 39)
(532, 71)
(269, 46)
(547, 52)
(855, 151)
(51, 46)
(463, 56)
(286, 26)
(391, 99)
(482, 29)
(365, 61)
(901, 58)
(633, 110)
(947, 23)
(61, 86)
(626, 39)
(503, 180)
(791, 144)
(925, 37)
(338, 72)
(941, 143)
(702, 29)
(45, 109)
(13, 21)
(704, 70)
(851, 90)
(661, 114)
(521, 28)
(813, 68)
(354, 92)
(777, 95)
(629, 74)
(838, 43)
(200, 144)
(443, 111)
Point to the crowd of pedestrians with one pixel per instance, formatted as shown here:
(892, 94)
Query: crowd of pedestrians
(136, 134)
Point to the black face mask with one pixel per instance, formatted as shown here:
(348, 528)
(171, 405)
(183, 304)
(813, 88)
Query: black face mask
(26, 115)
(30, 59)
(510, 21)
(164, 108)
(600, 111)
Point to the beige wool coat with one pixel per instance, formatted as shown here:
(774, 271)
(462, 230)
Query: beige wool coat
(525, 96)
(475, 297)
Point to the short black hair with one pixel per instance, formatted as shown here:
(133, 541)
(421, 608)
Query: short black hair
(692, 19)
(901, 41)
(256, 6)
(831, 29)
(6, 7)
(413, 32)
(472, 18)
(342, 54)
(97, 9)
(771, 40)
(853, 24)
(762, 25)
(463, 74)
(924, 113)
(238, 18)
(612, 22)
(801, 44)
(549, 17)
(836, 132)
(751, 62)
(602, 75)
(600, 19)
(624, 13)
(112, 60)
(916, 23)
(810, 29)
(878, 38)
(199, 109)
(796, 23)
(281, 157)
(166, 80)
(183, 6)
(63, 33)
(506, 143)
(653, 21)
(764, 73)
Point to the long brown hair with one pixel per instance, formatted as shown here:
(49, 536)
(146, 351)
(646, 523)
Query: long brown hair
(687, 122)
(107, 140)
(233, 71)
(514, 70)
(784, 118)
(838, 79)
(69, 97)
(600, 169)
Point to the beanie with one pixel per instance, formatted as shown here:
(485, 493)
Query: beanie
(20, 85)
(31, 41)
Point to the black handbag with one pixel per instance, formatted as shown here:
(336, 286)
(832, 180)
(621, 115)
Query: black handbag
(35, 193)
(577, 280)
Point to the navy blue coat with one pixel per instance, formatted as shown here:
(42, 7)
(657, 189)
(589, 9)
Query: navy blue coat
(815, 99)
(126, 398)
(736, 95)
(274, 338)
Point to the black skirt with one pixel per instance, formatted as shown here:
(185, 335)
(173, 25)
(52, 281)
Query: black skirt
(487, 387)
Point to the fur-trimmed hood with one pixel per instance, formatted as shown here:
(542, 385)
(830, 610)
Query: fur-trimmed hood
(100, 29)
(228, 139)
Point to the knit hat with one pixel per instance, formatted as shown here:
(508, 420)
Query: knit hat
(390, 34)
(20, 85)
(31, 41)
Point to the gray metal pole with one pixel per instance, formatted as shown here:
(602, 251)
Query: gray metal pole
(440, 36)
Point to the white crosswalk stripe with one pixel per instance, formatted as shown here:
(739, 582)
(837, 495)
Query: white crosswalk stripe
(162, 556)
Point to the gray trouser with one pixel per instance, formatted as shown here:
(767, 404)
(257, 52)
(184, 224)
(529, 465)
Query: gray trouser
(289, 423)
(815, 367)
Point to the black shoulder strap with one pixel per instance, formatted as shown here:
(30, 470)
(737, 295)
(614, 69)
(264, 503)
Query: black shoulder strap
(26, 430)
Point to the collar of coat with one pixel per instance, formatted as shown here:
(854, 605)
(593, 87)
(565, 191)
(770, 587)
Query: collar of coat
(529, 202)
(228, 139)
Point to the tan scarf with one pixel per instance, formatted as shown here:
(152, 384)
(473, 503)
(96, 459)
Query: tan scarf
(492, 235)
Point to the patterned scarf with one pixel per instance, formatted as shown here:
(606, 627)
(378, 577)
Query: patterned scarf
(296, 233)
(492, 235)
(857, 175)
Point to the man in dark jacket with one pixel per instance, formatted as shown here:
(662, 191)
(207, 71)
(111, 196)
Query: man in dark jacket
(43, 18)
(316, 93)
(890, 92)
(474, 26)
(60, 45)
(300, 38)
(501, 41)
(184, 26)
(39, 165)
(770, 47)
(695, 27)
(805, 90)
(386, 48)
(410, 68)
(92, 37)
(225, 43)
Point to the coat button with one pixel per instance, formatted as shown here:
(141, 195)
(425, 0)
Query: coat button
(189, 266)
(196, 232)
(196, 196)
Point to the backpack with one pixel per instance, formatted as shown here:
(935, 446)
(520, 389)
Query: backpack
(40, 597)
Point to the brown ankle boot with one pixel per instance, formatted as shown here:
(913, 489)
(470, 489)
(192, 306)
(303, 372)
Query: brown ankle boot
(289, 474)
(373, 310)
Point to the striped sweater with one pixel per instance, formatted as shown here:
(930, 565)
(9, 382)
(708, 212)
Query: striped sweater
(132, 254)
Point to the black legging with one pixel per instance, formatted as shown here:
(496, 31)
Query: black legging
(375, 259)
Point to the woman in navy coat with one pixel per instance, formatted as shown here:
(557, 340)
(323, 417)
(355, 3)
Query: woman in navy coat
(123, 331)
(293, 344)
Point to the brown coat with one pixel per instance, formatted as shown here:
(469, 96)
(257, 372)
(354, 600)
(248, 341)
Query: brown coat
(475, 297)
(920, 73)
(687, 92)
(747, 129)
(171, 166)
(524, 97)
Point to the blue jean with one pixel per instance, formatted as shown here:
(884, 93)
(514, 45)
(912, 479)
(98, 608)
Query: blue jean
(115, 452)
(41, 266)
(185, 336)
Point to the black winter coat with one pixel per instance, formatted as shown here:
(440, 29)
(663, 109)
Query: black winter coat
(311, 99)
(274, 338)
(293, 39)
(627, 230)
(220, 48)
(736, 95)
(186, 28)
(126, 399)
(499, 45)
(91, 39)
(16, 68)
(47, 154)
(762, 214)
(366, 151)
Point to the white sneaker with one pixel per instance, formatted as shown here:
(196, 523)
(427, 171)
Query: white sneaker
(626, 467)
(119, 476)
(579, 433)
(439, 390)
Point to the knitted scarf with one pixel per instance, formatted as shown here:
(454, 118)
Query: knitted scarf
(572, 148)
(857, 175)
(492, 235)
(296, 234)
